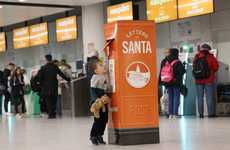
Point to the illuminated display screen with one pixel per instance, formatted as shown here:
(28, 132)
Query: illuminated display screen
(162, 10)
(21, 38)
(38, 34)
(189, 8)
(66, 29)
(123, 11)
(2, 42)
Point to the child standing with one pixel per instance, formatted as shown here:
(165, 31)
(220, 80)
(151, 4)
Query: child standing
(98, 89)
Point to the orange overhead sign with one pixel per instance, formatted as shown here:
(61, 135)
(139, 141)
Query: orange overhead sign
(122, 11)
(38, 34)
(162, 10)
(21, 38)
(2, 42)
(189, 8)
(66, 29)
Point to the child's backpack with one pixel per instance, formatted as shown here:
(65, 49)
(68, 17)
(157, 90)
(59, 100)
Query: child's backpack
(167, 73)
(201, 69)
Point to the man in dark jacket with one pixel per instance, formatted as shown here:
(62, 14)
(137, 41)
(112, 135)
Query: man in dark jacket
(6, 74)
(3, 89)
(173, 87)
(207, 85)
(49, 85)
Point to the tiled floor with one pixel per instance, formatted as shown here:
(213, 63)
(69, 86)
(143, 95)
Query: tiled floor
(69, 134)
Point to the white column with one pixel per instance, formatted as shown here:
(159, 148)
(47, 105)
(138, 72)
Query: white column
(93, 22)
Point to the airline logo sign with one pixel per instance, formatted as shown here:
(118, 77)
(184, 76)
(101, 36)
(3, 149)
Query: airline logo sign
(66, 29)
(189, 8)
(38, 34)
(162, 10)
(122, 11)
(21, 38)
(2, 42)
(138, 72)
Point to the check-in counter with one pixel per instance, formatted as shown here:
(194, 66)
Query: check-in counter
(75, 99)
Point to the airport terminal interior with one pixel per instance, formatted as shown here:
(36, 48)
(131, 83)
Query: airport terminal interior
(114, 74)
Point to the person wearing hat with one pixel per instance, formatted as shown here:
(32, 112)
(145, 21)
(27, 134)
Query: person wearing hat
(205, 66)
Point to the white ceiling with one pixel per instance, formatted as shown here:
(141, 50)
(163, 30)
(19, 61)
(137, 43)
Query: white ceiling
(14, 14)
(63, 2)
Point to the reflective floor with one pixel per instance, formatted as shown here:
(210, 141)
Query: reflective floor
(68, 134)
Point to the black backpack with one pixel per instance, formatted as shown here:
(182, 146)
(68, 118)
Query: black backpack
(35, 84)
(201, 69)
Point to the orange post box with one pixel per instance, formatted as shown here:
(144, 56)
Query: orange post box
(131, 50)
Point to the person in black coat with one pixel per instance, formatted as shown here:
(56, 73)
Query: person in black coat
(6, 74)
(173, 87)
(4, 90)
(17, 85)
(49, 85)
